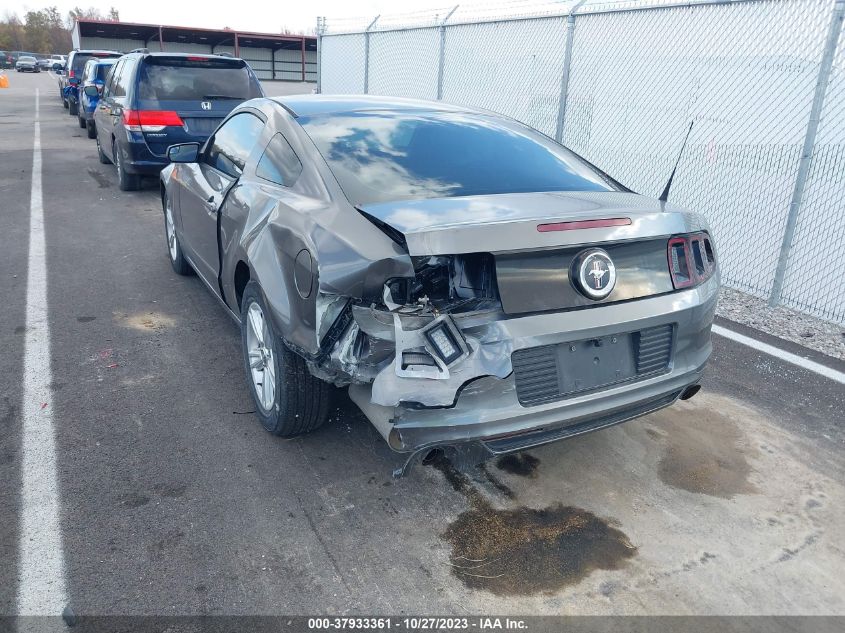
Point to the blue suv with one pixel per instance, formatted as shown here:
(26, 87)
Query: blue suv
(70, 78)
(154, 100)
(93, 79)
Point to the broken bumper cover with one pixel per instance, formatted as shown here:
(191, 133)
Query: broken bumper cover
(487, 412)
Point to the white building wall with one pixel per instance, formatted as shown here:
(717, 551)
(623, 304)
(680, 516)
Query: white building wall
(259, 59)
(111, 44)
(181, 47)
(289, 65)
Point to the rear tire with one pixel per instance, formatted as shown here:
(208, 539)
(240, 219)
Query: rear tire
(126, 181)
(298, 402)
(174, 248)
(73, 108)
(91, 129)
(104, 160)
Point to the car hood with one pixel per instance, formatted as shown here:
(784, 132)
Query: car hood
(509, 222)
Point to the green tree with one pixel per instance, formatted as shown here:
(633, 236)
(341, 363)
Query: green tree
(41, 31)
(11, 33)
(37, 34)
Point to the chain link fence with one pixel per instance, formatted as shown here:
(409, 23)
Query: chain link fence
(763, 82)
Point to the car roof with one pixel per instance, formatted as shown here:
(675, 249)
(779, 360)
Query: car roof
(98, 61)
(89, 51)
(310, 105)
(185, 55)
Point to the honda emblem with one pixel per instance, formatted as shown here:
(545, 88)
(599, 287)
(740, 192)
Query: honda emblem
(205, 105)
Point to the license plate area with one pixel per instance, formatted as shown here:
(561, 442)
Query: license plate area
(201, 126)
(595, 363)
(554, 372)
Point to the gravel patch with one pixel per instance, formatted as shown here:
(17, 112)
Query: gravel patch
(822, 336)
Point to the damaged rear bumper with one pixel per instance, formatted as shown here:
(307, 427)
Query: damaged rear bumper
(487, 415)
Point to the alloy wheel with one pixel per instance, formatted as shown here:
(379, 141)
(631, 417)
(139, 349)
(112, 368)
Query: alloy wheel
(171, 230)
(260, 353)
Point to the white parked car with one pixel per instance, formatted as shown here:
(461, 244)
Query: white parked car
(26, 63)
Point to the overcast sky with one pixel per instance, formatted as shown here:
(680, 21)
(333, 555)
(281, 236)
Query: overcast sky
(245, 15)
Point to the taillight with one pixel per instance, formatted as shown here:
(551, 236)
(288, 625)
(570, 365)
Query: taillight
(150, 120)
(691, 259)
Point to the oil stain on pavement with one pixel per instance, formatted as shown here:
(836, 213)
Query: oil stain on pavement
(522, 464)
(147, 321)
(525, 551)
(103, 181)
(705, 453)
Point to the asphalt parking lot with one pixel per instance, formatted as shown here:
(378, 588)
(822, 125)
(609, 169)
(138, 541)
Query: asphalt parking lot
(173, 500)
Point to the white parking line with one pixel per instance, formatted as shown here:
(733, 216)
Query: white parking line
(789, 357)
(41, 589)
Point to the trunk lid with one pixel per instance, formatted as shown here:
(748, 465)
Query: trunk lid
(509, 222)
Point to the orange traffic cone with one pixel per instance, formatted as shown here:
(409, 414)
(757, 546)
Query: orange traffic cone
(4, 80)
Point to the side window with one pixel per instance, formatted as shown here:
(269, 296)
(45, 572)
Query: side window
(112, 78)
(279, 163)
(233, 143)
(121, 81)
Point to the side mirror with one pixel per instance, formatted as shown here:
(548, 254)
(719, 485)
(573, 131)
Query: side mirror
(91, 91)
(183, 153)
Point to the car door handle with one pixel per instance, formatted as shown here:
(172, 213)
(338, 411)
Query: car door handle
(211, 203)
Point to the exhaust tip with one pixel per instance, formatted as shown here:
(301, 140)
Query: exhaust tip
(690, 391)
(432, 456)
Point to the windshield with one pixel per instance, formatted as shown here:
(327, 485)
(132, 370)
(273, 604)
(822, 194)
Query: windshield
(26, 59)
(192, 79)
(389, 156)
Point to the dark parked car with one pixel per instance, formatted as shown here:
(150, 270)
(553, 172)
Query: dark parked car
(154, 100)
(27, 64)
(6, 60)
(93, 80)
(477, 286)
(69, 80)
(13, 56)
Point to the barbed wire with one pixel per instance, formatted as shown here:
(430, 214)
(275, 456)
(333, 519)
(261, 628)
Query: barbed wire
(476, 11)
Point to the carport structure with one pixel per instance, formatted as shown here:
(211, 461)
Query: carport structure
(271, 55)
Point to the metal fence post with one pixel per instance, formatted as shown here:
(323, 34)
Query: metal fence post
(321, 26)
(367, 55)
(825, 68)
(442, 60)
(564, 79)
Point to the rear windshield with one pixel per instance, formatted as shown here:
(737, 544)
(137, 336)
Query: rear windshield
(26, 58)
(80, 58)
(196, 79)
(389, 156)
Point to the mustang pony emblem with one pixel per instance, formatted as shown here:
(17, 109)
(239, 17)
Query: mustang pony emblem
(593, 273)
(597, 272)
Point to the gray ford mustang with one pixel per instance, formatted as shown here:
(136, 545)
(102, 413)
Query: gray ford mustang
(479, 288)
